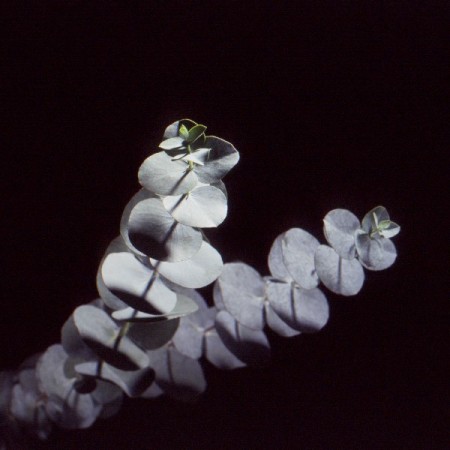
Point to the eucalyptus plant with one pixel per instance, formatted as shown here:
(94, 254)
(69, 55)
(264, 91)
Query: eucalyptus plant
(150, 332)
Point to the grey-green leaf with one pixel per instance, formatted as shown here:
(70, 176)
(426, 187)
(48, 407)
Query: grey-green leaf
(155, 233)
(161, 175)
(242, 293)
(219, 355)
(304, 310)
(376, 253)
(199, 271)
(172, 143)
(203, 207)
(179, 376)
(248, 345)
(103, 335)
(275, 260)
(341, 276)
(137, 285)
(340, 226)
(150, 336)
(222, 158)
(277, 324)
(298, 247)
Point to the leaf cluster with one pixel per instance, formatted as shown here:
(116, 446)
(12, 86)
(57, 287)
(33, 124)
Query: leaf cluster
(149, 330)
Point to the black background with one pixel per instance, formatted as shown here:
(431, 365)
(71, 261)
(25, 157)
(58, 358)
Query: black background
(331, 104)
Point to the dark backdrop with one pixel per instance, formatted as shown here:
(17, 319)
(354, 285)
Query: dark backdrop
(331, 104)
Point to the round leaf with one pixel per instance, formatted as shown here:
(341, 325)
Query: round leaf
(304, 310)
(298, 247)
(341, 276)
(155, 233)
(219, 355)
(275, 260)
(162, 175)
(277, 324)
(205, 266)
(102, 334)
(340, 226)
(242, 293)
(222, 158)
(137, 285)
(203, 207)
(248, 345)
(376, 253)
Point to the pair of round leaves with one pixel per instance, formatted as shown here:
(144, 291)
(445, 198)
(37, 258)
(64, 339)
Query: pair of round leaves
(196, 336)
(163, 175)
(255, 302)
(107, 339)
(150, 230)
(291, 258)
(337, 265)
(375, 249)
(147, 295)
(369, 240)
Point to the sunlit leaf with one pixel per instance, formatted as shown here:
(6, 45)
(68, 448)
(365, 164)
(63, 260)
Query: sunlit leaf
(116, 245)
(222, 158)
(72, 343)
(137, 285)
(104, 336)
(155, 233)
(203, 207)
(242, 293)
(204, 267)
(172, 143)
(341, 276)
(200, 156)
(161, 175)
(376, 253)
(188, 339)
(340, 226)
(275, 260)
(298, 247)
(112, 301)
